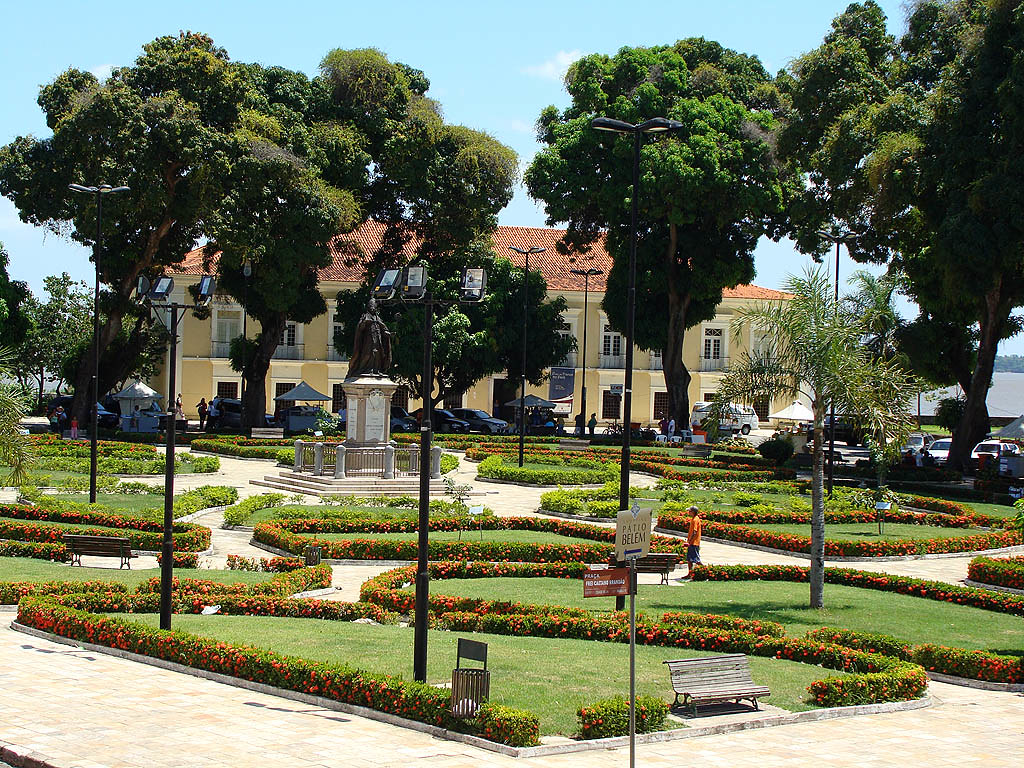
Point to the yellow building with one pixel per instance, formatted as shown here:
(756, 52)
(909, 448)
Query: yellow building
(306, 351)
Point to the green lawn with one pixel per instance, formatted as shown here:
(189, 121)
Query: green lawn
(131, 504)
(995, 510)
(527, 537)
(869, 531)
(550, 677)
(909, 618)
(30, 569)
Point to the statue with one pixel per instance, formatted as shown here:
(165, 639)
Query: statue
(371, 350)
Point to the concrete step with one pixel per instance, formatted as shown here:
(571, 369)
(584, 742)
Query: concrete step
(348, 488)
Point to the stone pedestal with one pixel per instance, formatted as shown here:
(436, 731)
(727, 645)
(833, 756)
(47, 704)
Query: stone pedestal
(368, 411)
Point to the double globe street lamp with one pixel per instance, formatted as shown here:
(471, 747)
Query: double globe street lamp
(586, 274)
(522, 374)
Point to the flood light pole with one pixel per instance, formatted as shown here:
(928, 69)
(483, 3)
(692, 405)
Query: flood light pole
(158, 295)
(99, 190)
(522, 373)
(410, 285)
(586, 274)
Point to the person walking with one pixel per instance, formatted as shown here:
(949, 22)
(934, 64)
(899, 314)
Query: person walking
(212, 414)
(671, 427)
(74, 428)
(592, 424)
(663, 425)
(580, 424)
(693, 541)
(202, 408)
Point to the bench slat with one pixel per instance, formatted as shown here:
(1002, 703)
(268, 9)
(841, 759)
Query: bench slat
(714, 679)
(98, 546)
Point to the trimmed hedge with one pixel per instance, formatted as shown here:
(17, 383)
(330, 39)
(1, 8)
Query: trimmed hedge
(44, 525)
(12, 591)
(1003, 572)
(239, 514)
(840, 548)
(610, 717)
(494, 467)
(37, 549)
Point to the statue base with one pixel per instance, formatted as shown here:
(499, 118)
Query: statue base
(368, 410)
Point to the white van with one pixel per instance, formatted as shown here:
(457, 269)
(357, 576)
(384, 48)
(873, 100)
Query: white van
(738, 418)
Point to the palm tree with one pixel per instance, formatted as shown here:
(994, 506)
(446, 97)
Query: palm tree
(873, 302)
(14, 448)
(813, 348)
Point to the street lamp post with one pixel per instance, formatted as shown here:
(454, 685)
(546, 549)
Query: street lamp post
(654, 125)
(158, 295)
(410, 284)
(838, 239)
(522, 373)
(99, 190)
(586, 274)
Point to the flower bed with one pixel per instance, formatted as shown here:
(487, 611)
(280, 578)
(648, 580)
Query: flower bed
(23, 523)
(36, 549)
(884, 582)
(839, 548)
(496, 468)
(415, 701)
(1001, 572)
(12, 591)
(610, 717)
(293, 535)
(243, 447)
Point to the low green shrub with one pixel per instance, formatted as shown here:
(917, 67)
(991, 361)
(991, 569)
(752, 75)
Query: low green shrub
(779, 449)
(180, 559)
(611, 717)
(449, 463)
(505, 725)
(239, 514)
(494, 467)
(1001, 572)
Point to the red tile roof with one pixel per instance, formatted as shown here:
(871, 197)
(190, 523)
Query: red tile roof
(346, 265)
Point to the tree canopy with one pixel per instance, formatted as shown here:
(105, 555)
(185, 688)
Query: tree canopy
(13, 297)
(708, 192)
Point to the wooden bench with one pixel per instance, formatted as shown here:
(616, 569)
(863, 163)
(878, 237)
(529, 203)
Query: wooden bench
(696, 451)
(100, 546)
(267, 432)
(714, 679)
(655, 562)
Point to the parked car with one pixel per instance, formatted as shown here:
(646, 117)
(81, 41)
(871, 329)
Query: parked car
(444, 421)
(481, 421)
(106, 419)
(401, 421)
(995, 449)
(230, 417)
(938, 450)
(917, 442)
(738, 418)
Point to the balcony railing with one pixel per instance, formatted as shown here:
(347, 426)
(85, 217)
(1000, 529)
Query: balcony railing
(289, 352)
(335, 356)
(220, 348)
(656, 364)
(611, 361)
(712, 364)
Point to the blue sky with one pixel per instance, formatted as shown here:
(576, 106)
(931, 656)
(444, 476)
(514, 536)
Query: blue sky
(492, 65)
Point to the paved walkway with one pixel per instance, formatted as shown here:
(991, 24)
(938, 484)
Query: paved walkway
(100, 711)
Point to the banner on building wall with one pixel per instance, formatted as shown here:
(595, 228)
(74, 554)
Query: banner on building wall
(560, 389)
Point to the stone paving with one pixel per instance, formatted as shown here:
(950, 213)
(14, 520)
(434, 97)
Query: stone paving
(103, 711)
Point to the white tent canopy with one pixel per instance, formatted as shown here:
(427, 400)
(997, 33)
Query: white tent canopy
(1014, 429)
(137, 394)
(796, 411)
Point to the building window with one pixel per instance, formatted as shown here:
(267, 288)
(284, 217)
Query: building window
(452, 401)
(713, 343)
(761, 408)
(228, 389)
(337, 335)
(337, 398)
(401, 398)
(288, 336)
(660, 405)
(283, 386)
(611, 342)
(611, 405)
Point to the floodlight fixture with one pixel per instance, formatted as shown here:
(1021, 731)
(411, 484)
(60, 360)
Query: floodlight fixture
(474, 284)
(205, 291)
(161, 289)
(414, 282)
(143, 287)
(386, 284)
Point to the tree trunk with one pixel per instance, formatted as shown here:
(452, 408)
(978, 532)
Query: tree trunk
(817, 576)
(255, 405)
(677, 378)
(974, 423)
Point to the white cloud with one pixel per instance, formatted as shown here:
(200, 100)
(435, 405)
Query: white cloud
(555, 67)
(102, 72)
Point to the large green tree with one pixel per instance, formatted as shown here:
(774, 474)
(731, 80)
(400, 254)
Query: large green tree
(708, 192)
(813, 348)
(164, 127)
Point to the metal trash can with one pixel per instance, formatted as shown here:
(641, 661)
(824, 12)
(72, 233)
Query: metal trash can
(470, 689)
(312, 555)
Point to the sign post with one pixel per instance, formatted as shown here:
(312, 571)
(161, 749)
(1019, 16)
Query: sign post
(632, 541)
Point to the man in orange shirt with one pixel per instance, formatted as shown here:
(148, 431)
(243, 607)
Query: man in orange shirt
(693, 541)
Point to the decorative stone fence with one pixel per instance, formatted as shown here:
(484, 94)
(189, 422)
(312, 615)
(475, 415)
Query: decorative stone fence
(387, 462)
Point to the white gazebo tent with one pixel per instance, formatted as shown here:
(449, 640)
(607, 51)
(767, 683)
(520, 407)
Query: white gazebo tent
(795, 411)
(141, 396)
(1015, 429)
